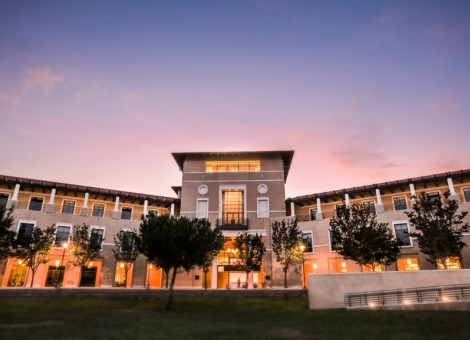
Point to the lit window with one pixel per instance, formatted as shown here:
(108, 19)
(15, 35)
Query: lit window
(307, 241)
(377, 268)
(466, 194)
(338, 266)
(408, 264)
(399, 203)
(36, 203)
(233, 166)
(98, 210)
(233, 207)
(62, 235)
(453, 263)
(402, 234)
(126, 213)
(68, 207)
(369, 206)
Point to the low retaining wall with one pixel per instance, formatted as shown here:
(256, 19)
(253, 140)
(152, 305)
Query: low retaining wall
(328, 290)
(149, 293)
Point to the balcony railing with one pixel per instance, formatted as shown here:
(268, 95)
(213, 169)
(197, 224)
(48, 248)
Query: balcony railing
(232, 224)
(408, 296)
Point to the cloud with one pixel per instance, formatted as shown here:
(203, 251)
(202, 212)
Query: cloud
(42, 78)
(9, 100)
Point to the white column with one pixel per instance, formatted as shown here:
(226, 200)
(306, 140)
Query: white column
(52, 198)
(115, 213)
(451, 187)
(16, 192)
(346, 199)
(318, 205)
(146, 207)
(172, 209)
(85, 200)
(292, 208)
(379, 196)
(214, 274)
(413, 193)
(116, 204)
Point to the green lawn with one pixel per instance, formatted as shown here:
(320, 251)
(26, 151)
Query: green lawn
(217, 319)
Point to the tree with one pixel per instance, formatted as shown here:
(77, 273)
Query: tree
(439, 228)
(251, 250)
(359, 237)
(34, 248)
(126, 250)
(7, 236)
(85, 246)
(177, 244)
(286, 240)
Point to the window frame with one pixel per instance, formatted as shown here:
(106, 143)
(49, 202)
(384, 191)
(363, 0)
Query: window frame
(366, 204)
(68, 225)
(463, 194)
(330, 243)
(33, 222)
(223, 188)
(395, 234)
(93, 209)
(312, 217)
(433, 192)
(94, 227)
(310, 232)
(264, 199)
(130, 215)
(5, 194)
(68, 206)
(42, 204)
(393, 202)
(197, 207)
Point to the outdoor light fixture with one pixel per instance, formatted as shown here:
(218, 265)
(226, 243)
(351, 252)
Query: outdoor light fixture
(57, 263)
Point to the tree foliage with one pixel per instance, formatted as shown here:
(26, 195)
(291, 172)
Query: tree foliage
(251, 250)
(286, 242)
(85, 246)
(33, 249)
(439, 227)
(125, 250)
(7, 236)
(178, 244)
(359, 237)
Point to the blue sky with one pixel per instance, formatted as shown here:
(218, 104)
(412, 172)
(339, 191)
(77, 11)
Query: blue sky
(101, 92)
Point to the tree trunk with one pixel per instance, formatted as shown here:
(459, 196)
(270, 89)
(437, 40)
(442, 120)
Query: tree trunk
(246, 280)
(32, 277)
(285, 278)
(167, 274)
(170, 294)
(79, 275)
(205, 280)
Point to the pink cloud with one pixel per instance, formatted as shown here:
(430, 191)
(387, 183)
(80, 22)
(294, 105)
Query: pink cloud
(9, 100)
(42, 78)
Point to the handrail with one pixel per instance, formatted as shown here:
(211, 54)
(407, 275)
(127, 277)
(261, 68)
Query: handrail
(408, 296)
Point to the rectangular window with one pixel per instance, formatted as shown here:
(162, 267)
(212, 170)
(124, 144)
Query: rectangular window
(313, 214)
(126, 213)
(399, 203)
(307, 240)
(3, 199)
(334, 242)
(127, 240)
(408, 264)
(98, 210)
(26, 229)
(153, 211)
(68, 207)
(369, 206)
(202, 208)
(233, 166)
(402, 234)
(338, 266)
(97, 235)
(263, 208)
(36, 203)
(62, 235)
(433, 196)
(466, 194)
(233, 207)
(453, 263)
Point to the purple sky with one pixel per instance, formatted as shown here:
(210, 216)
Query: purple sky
(101, 92)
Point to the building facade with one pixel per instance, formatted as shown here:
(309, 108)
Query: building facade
(237, 192)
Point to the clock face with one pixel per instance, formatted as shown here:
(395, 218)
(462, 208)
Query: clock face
(202, 189)
(262, 188)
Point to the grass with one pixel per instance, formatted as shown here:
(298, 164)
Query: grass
(86, 318)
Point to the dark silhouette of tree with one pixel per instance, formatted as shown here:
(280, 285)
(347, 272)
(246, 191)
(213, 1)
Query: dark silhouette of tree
(439, 228)
(177, 244)
(286, 242)
(7, 236)
(34, 248)
(126, 250)
(251, 250)
(359, 237)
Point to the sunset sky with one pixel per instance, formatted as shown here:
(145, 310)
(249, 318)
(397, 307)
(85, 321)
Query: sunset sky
(100, 93)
